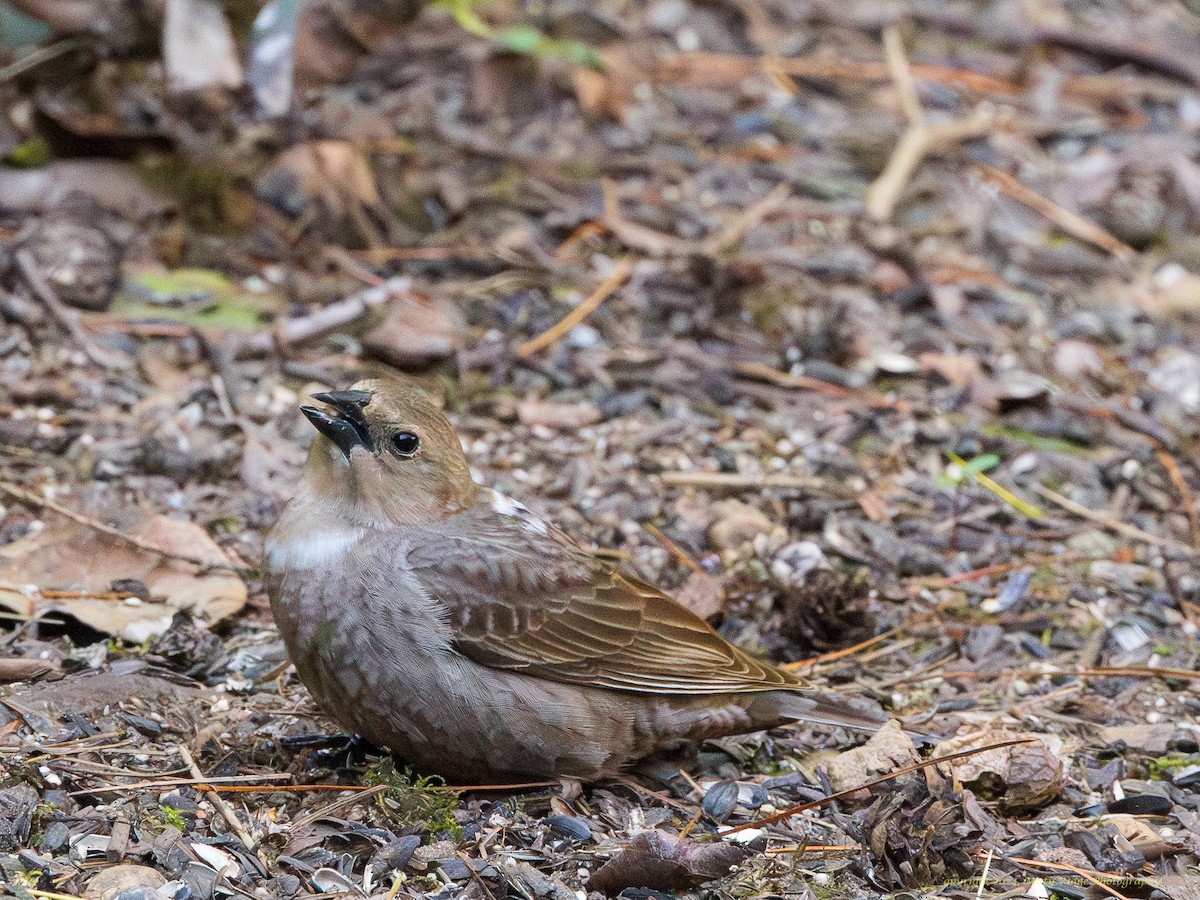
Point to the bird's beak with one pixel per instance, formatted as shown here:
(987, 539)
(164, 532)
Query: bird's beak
(348, 429)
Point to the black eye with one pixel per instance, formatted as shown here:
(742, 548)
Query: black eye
(406, 443)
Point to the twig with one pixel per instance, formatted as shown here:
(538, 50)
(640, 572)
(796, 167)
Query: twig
(221, 782)
(357, 797)
(812, 848)
(899, 773)
(1072, 223)
(987, 865)
(838, 654)
(737, 481)
(674, 549)
(35, 58)
(732, 233)
(901, 75)
(1075, 870)
(96, 525)
(915, 144)
(222, 807)
(621, 271)
(329, 319)
(1185, 492)
(66, 318)
(762, 372)
(50, 895)
(1110, 523)
(1139, 672)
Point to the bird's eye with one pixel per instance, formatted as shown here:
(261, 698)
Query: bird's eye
(406, 443)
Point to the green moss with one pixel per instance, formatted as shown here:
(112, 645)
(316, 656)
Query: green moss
(423, 800)
(155, 819)
(1161, 768)
(30, 154)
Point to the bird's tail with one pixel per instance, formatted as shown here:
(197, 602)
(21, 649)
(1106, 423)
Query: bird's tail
(858, 713)
(811, 706)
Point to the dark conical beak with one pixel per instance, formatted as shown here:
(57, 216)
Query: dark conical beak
(348, 429)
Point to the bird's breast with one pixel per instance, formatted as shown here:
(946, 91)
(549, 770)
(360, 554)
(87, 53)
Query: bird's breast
(314, 549)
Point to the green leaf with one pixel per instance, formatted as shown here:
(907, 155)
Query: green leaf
(979, 464)
(468, 20)
(523, 39)
(975, 469)
(198, 297)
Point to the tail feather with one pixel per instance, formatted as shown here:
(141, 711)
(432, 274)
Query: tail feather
(809, 706)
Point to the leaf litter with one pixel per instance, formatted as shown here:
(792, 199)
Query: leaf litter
(871, 335)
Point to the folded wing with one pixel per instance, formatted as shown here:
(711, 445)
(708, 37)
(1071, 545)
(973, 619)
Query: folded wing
(529, 599)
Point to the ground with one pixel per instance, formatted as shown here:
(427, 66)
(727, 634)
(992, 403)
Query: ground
(867, 329)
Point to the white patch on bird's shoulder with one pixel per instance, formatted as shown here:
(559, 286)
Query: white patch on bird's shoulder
(507, 506)
(312, 550)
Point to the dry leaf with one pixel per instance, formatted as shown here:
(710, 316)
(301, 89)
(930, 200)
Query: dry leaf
(1020, 777)
(564, 416)
(888, 749)
(663, 862)
(71, 557)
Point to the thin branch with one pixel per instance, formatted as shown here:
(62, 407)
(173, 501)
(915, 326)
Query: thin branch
(222, 807)
(96, 525)
(1186, 494)
(1082, 873)
(1110, 523)
(1072, 223)
(762, 372)
(915, 144)
(621, 271)
(901, 74)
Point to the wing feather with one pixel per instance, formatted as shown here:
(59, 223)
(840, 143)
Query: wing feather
(529, 599)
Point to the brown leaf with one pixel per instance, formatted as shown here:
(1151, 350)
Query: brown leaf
(1020, 777)
(887, 750)
(663, 862)
(417, 330)
(70, 557)
(557, 415)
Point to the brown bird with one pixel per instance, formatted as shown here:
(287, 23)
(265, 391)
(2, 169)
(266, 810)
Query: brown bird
(445, 621)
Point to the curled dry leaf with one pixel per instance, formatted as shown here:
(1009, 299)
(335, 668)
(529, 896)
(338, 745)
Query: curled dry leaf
(1020, 777)
(73, 558)
(888, 749)
(663, 862)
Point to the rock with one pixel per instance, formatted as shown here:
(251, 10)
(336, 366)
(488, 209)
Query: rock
(1075, 358)
(736, 524)
(1147, 738)
(79, 260)
(560, 416)
(1178, 375)
(123, 882)
(417, 330)
(1126, 576)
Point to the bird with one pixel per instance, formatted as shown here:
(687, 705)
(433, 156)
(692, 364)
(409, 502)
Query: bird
(444, 621)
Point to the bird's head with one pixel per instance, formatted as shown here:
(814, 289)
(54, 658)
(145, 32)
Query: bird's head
(386, 451)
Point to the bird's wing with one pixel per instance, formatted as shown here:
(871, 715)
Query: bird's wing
(527, 598)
